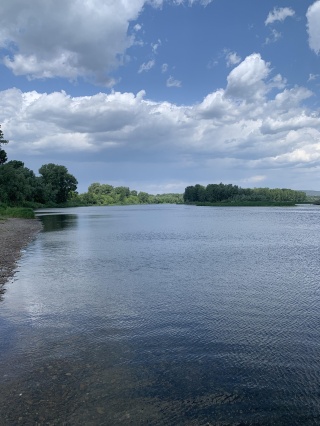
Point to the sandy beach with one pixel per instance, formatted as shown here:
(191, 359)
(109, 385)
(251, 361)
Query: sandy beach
(15, 234)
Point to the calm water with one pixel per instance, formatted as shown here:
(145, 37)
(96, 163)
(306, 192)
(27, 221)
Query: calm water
(165, 315)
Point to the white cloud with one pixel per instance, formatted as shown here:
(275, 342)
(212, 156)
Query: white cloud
(212, 63)
(255, 179)
(155, 46)
(313, 17)
(217, 106)
(171, 187)
(313, 77)
(164, 68)
(189, 2)
(274, 36)
(274, 125)
(247, 80)
(279, 14)
(145, 67)
(137, 27)
(70, 38)
(232, 59)
(244, 126)
(48, 42)
(202, 2)
(171, 82)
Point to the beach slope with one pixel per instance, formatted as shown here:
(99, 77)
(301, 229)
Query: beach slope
(15, 234)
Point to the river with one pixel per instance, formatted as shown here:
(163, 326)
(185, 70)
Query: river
(165, 315)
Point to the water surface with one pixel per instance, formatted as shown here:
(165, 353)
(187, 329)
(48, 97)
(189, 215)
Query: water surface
(165, 315)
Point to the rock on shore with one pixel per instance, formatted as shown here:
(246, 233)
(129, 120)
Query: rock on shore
(14, 235)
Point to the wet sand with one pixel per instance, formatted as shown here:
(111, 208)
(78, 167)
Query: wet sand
(15, 234)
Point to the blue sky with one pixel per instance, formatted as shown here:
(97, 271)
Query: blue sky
(160, 94)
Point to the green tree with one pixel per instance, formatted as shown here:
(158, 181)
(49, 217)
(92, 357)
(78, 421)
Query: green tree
(190, 194)
(122, 192)
(18, 184)
(98, 188)
(94, 188)
(143, 197)
(57, 182)
(3, 154)
(201, 192)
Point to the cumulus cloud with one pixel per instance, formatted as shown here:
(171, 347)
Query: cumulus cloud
(47, 42)
(247, 80)
(70, 38)
(313, 18)
(279, 14)
(244, 125)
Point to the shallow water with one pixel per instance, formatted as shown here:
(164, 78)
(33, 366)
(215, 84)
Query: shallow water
(165, 315)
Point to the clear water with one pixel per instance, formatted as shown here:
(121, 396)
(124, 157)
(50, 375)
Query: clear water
(165, 315)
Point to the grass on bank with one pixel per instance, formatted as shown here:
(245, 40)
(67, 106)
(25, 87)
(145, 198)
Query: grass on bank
(17, 212)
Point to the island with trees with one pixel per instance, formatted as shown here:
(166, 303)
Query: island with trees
(233, 195)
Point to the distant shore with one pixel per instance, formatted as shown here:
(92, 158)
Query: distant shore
(15, 234)
(247, 204)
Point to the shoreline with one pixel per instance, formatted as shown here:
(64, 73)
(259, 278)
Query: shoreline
(15, 234)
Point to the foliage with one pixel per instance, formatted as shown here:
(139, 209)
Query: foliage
(3, 154)
(20, 212)
(247, 204)
(104, 194)
(232, 194)
(19, 186)
(58, 184)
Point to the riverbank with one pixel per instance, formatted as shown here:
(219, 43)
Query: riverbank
(14, 235)
(248, 204)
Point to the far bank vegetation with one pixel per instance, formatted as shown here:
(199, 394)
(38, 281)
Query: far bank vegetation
(221, 194)
(104, 194)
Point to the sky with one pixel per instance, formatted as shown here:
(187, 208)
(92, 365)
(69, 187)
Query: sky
(161, 94)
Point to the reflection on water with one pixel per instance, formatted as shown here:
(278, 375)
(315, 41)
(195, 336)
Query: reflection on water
(55, 222)
(165, 315)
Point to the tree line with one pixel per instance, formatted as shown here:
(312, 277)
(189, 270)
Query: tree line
(222, 193)
(105, 194)
(19, 186)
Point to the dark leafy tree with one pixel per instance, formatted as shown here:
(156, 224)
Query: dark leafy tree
(122, 191)
(200, 192)
(190, 194)
(143, 197)
(3, 154)
(18, 184)
(58, 184)
(216, 193)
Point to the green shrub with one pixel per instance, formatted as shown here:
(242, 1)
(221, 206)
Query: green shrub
(19, 212)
